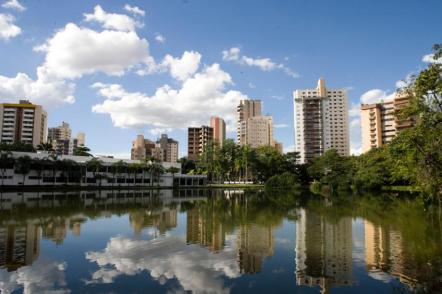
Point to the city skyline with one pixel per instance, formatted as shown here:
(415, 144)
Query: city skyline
(119, 91)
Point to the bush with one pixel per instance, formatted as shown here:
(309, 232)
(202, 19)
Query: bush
(286, 180)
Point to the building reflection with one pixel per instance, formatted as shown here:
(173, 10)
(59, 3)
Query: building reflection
(163, 220)
(323, 251)
(386, 251)
(203, 228)
(19, 245)
(254, 243)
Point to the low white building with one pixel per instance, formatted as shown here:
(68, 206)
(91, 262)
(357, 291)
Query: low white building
(105, 176)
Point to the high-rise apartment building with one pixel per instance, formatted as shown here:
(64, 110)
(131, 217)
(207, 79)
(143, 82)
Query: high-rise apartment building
(321, 121)
(164, 149)
(379, 124)
(198, 138)
(245, 110)
(257, 131)
(61, 139)
(219, 130)
(142, 148)
(23, 122)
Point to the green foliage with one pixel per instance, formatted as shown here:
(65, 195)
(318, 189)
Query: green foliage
(82, 151)
(19, 147)
(333, 170)
(285, 181)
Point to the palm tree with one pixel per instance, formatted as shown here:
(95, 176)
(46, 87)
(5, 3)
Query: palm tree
(173, 170)
(156, 170)
(45, 147)
(95, 164)
(82, 151)
(118, 168)
(23, 166)
(6, 162)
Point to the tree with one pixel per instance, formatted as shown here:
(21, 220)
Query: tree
(82, 151)
(187, 165)
(157, 170)
(45, 147)
(417, 151)
(173, 170)
(332, 169)
(23, 166)
(95, 164)
(17, 146)
(118, 167)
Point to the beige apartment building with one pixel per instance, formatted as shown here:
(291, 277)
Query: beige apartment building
(23, 122)
(379, 125)
(219, 130)
(257, 131)
(245, 110)
(321, 121)
(198, 138)
(164, 149)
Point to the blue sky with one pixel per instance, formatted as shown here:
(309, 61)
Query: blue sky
(113, 69)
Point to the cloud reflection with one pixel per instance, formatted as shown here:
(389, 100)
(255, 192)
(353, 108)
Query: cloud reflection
(196, 269)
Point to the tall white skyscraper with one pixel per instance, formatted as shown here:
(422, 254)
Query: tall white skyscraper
(321, 121)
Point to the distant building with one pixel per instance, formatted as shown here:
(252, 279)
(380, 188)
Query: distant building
(164, 149)
(198, 138)
(379, 125)
(278, 146)
(142, 148)
(219, 130)
(62, 141)
(23, 122)
(321, 121)
(245, 110)
(257, 131)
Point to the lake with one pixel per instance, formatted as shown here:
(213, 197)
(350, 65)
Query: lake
(217, 241)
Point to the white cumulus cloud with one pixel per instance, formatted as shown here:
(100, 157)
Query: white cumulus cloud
(134, 9)
(74, 51)
(8, 29)
(375, 96)
(429, 58)
(120, 22)
(266, 64)
(160, 38)
(195, 268)
(199, 97)
(184, 67)
(13, 4)
(45, 90)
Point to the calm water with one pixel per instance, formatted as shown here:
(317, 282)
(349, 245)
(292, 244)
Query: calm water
(216, 242)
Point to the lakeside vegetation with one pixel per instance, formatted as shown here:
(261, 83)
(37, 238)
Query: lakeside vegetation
(413, 160)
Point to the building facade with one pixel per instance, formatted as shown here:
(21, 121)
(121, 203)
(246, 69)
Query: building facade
(219, 130)
(245, 110)
(257, 131)
(321, 121)
(142, 148)
(166, 149)
(379, 124)
(23, 122)
(198, 138)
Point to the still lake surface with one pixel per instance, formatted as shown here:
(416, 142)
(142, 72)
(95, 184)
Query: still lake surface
(217, 241)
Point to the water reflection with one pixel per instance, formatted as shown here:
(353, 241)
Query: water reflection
(218, 241)
(323, 251)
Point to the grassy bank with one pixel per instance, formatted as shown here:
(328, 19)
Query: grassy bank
(400, 188)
